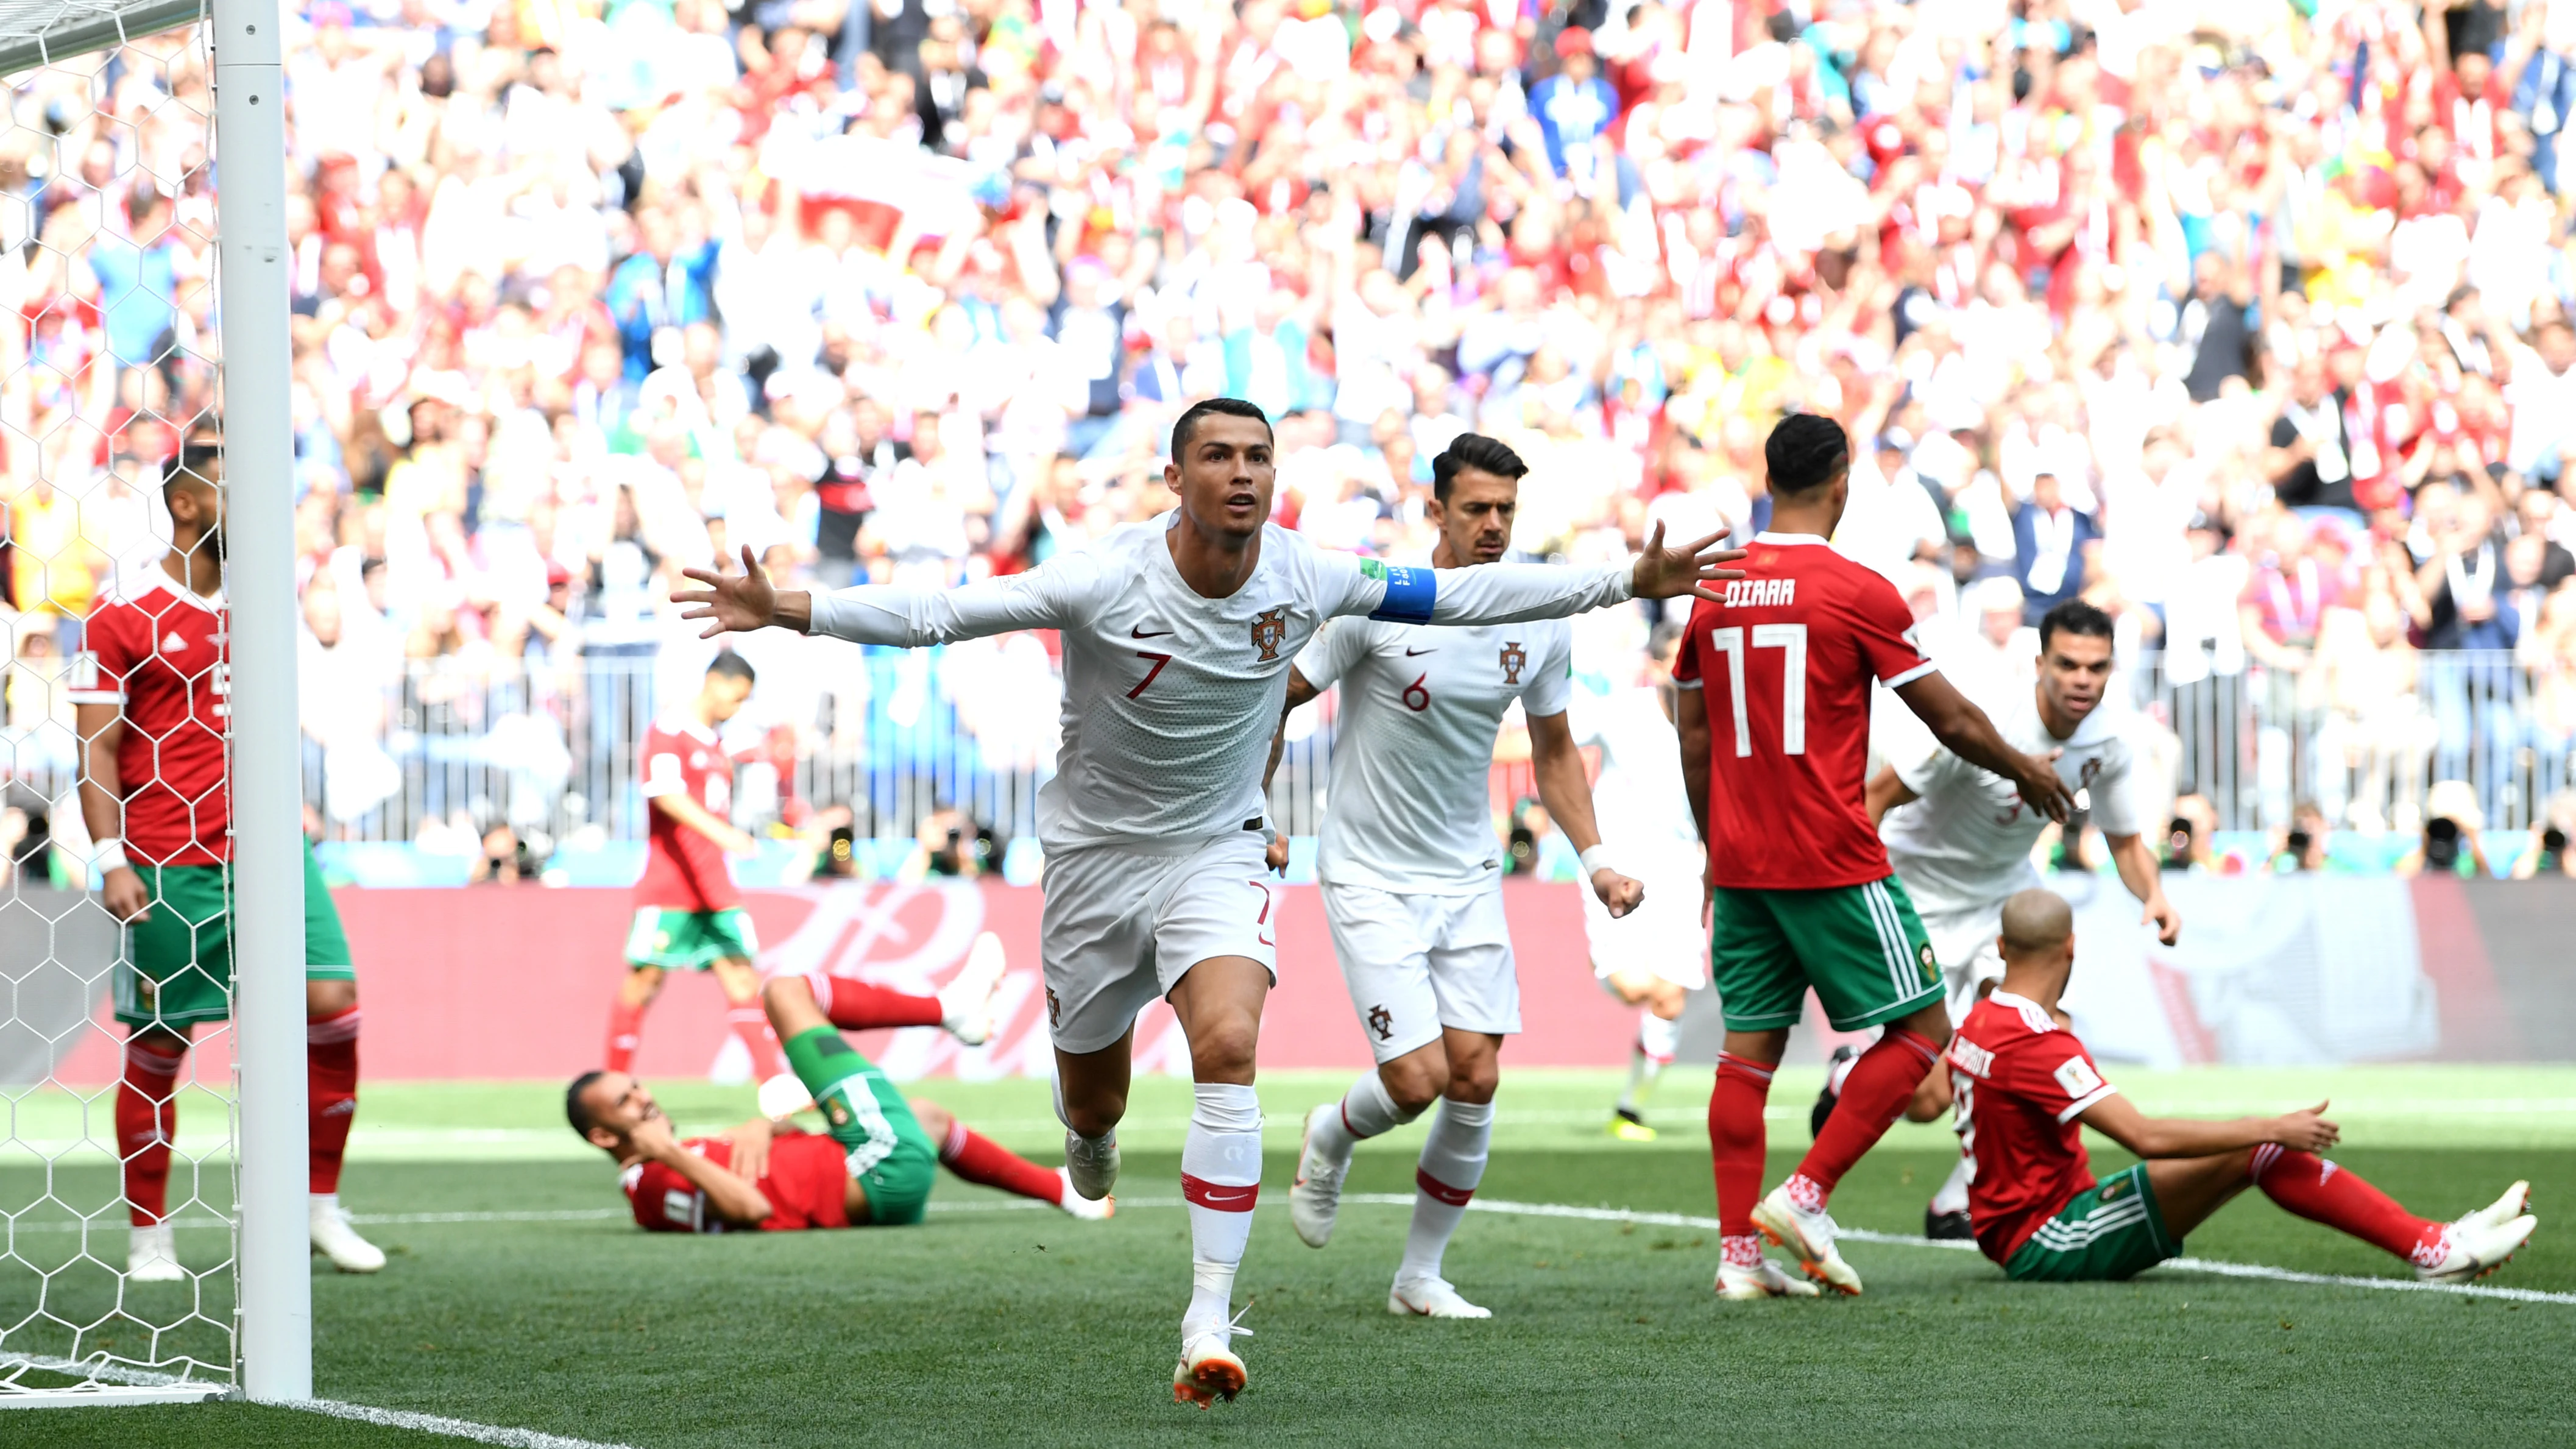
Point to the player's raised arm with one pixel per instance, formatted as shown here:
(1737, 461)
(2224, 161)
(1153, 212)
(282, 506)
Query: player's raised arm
(1957, 722)
(1507, 593)
(895, 614)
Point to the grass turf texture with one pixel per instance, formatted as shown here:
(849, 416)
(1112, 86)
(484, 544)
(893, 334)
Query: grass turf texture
(1021, 1327)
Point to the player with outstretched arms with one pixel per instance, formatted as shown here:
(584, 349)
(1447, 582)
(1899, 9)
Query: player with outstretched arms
(2027, 1089)
(1961, 839)
(1178, 635)
(872, 1167)
(1412, 873)
(1651, 957)
(1775, 675)
(150, 696)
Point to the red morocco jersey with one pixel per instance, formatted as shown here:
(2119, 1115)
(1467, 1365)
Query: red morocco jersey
(1785, 666)
(808, 1186)
(683, 870)
(159, 656)
(2020, 1083)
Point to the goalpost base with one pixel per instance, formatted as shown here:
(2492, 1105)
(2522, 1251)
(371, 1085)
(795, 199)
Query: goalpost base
(111, 1396)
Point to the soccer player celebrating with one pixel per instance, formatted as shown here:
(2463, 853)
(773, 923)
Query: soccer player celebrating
(1961, 840)
(1178, 637)
(688, 916)
(1653, 956)
(1775, 676)
(150, 699)
(873, 1169)
(1412, 873)
(2026, 1087)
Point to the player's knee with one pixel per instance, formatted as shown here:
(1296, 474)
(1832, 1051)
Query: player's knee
(1221, 1050)
(1415, 1081)
(934, 1119)
(1095, 1116)
(787, 993)
(329, 998)
(1474, 1084)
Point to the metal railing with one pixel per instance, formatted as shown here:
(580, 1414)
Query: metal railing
(551, 746)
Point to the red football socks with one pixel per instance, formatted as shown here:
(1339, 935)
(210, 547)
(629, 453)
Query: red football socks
(147, 1117)
(750, 1026)
(1873, 1097)
(978, 1158)
(331, 1093)
(625, 1034)
(857, 1006)
(2322, 1192)
(1735, 1139)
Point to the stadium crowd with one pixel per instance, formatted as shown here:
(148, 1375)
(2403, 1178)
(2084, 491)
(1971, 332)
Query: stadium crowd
(2248, 324)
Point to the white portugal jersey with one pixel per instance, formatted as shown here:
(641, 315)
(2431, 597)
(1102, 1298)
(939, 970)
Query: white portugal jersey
(1170, 698)
(1966, 843)
(1408, 808)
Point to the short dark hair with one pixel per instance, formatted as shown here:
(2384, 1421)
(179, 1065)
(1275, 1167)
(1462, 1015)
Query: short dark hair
(732, 666)
(1474, 450)
(574, 1111)
(1231, 407)
(2074, 617)
(199, 460)
(1804, 451)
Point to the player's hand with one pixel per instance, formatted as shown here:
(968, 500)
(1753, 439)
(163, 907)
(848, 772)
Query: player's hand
(1665, 573)
(736, 603)
(2042, 791)
(1276, 853)
(1620, 893)
(653, 1138)
(2167, 921)
(121, 891)
(738, 842)
(2307, 1130)
(750, 1157)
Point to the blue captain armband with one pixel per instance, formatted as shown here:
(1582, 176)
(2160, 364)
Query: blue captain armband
(1409, 592)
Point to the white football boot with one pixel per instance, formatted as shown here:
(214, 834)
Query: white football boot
(1761, 1279)
(2471, 1248)
(151, 1257)
(1431, 1298)
(2516, 1200)
(1208, 1370)
(1316, 1195)
(334, 1239)
(1810, 1235)
(966, 1003)
(1090, 1164)
(1094, 1210)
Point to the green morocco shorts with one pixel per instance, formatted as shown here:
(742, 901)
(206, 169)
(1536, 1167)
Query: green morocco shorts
(2109, 1231)
(677, 940)
(1861, 947)
(889, 1154)
(178, 965)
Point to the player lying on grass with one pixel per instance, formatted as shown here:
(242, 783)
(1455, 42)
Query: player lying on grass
(1412, 875)
(1178, 635)
(873, 1169)
(2026, 1089)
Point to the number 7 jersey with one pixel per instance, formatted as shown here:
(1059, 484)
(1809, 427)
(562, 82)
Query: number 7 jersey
(1784, 666)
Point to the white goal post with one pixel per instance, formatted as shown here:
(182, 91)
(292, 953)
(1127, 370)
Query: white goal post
(270, 1342)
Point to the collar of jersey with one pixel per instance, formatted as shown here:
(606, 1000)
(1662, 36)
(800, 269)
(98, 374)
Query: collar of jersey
(2002, 997)
(680, 724)
(1767, 536)
(212, 603)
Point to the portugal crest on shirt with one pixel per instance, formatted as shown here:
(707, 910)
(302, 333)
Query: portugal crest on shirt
(1269, 631)
(1514, 656)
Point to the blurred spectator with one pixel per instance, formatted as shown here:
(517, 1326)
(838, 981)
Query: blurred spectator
(2052, 544)
(2451, 842)
(2302, 847)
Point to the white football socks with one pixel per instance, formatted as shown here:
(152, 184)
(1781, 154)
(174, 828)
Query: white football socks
(1453, 1163)
(1220, 1179)
(1367, 1110)
(1657, 1039)
(1953, 1196)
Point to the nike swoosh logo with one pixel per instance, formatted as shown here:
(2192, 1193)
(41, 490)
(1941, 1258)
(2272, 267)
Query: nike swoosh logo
(1409, 653)
(1141, 632)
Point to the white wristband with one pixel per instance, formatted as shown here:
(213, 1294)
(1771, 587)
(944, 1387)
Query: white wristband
(1596, 860)
(106, 855)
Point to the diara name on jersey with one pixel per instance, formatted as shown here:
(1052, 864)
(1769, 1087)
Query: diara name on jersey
(1760, 593)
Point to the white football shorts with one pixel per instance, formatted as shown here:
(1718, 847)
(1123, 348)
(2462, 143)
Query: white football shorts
(1417, 963)
(1662, 935)
(1123, 925)
(1963, 943)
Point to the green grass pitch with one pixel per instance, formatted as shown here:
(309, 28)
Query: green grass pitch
(990, 1325)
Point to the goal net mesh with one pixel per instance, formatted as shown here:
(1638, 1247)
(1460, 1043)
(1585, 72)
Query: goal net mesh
(109, 363)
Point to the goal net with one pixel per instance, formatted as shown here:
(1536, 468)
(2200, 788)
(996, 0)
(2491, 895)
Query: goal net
(109, 364)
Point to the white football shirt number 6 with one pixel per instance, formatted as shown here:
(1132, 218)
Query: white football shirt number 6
(1791, 641)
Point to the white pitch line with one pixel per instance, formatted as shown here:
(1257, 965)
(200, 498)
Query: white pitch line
(509, 1438)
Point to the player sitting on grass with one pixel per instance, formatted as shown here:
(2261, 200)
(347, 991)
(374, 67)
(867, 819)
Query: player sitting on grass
(873, 1168)
(2026, 1087)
